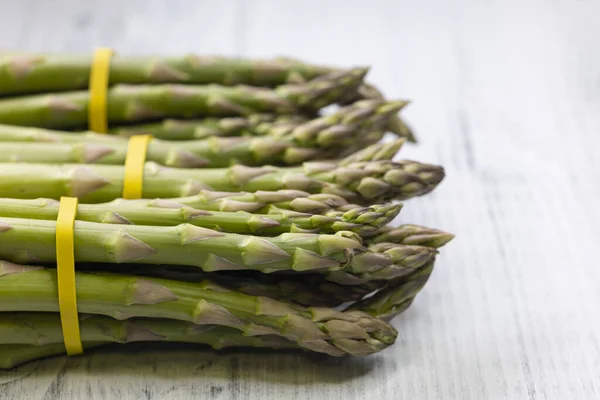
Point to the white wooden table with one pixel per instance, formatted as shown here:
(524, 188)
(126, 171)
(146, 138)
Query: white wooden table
(506, 95)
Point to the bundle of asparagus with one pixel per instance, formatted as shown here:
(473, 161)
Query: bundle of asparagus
(263, 221)
(28, 73)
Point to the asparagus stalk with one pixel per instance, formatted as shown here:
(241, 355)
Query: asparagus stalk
(12, 355)
(45, 328)
(306, 289)
(31, 240)
(28, 288)
(396, 124)
(397, 296)
(322, 137)
(22, 73)
(360, 220)
(209, 153)
(257, 202)
(127, 103)
(340, 257)
(378, 151)
(410, 262)
(371, 271)
(188, 129)
(360, 182)
(368, 139)
(411, 235)
(383, 261)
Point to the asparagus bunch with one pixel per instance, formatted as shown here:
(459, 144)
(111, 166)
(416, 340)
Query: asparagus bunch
(395, 297)
(25, 73)
(123, 297)
(28, 336)
(28, 73)
(361, 182)
(259, 213)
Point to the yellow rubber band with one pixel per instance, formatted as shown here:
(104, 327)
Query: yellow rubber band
(134, 166)
(97, 119)
(65, 270)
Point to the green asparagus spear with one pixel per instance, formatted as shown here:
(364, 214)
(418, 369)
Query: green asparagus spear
(27, 288)
(411, 235)
(38, 329)
(260, 202)
(361, 183)
(208, 153)
(31, 240)
(126, 103)
(396, 124)
(383, 261)
(188, 129)
(35, 73)
(12, 355)
(366, 273)
(340, 257)
(392, 300)
(378, 151)
(359, 219)
(307, 289)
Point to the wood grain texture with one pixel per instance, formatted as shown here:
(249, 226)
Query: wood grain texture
(506, 95)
